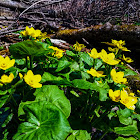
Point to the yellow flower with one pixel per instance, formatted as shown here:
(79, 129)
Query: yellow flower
(95, 73)
(113, 50)
(78, 47)
(120, 44)
(57, 52)
(94, 54)
(21, 76)
(7, 79)
(33, 80)
(43, 36)
(118, 76)
(115, 96)
(31, 32)
(127, 100)
(108, 58)
(127, 59)
(6, 63)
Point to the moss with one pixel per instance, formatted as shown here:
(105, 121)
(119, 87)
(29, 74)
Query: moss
(134, 83)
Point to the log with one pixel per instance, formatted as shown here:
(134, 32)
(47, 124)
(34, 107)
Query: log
(94, 35)
(102, 33)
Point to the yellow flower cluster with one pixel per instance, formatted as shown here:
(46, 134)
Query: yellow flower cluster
(119, 45)
(57, 52)
(107, 58)
(6, 63)
(125, 97)
(31, 79)
(95, 73)
(78, 47)
(33, 33)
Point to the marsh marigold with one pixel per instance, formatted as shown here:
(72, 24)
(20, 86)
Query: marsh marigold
(31, 32)
(57, 52)
(120, 44)
(118, 76)
(7, 79)
(128, 99)
(114, 95)
(78, 47)
(95, 73)
(127, 59)
(33, 80)
(94, 54)
(108, 58)
(6, 63)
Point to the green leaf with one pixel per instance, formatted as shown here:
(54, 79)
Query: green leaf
(21, 105)
(136, 116)
(125, 112)
(8, 119)
(70, 53)
(75, 66)
(62, 64)
(3, 92)
(137, 135)
(26, 48)
(15, 70)
(44, 45)
(98, 63)
(127, 130)
(44, 122)
(79, 135)
(85, 75)
(53, 94)
(83, 84)
(20, 61)
(47, 77)
(86, 58)
(4, 113)
(125, 121)
(122, 138)
(102, 94)
(3, 100)
(129, 72)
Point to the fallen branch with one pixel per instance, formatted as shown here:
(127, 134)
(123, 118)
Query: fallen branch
(48, 3)
(10, 31)
(12, 4)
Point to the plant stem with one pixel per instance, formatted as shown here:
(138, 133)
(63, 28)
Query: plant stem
(103, 135)
(14, 100)
(27, 62)
(31, 62)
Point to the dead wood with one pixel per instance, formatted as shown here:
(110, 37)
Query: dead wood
(12, 4)
(102, 33)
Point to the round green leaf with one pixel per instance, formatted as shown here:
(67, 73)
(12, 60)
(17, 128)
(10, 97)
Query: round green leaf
(44, 122)
(26, 48)
(53, 94)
